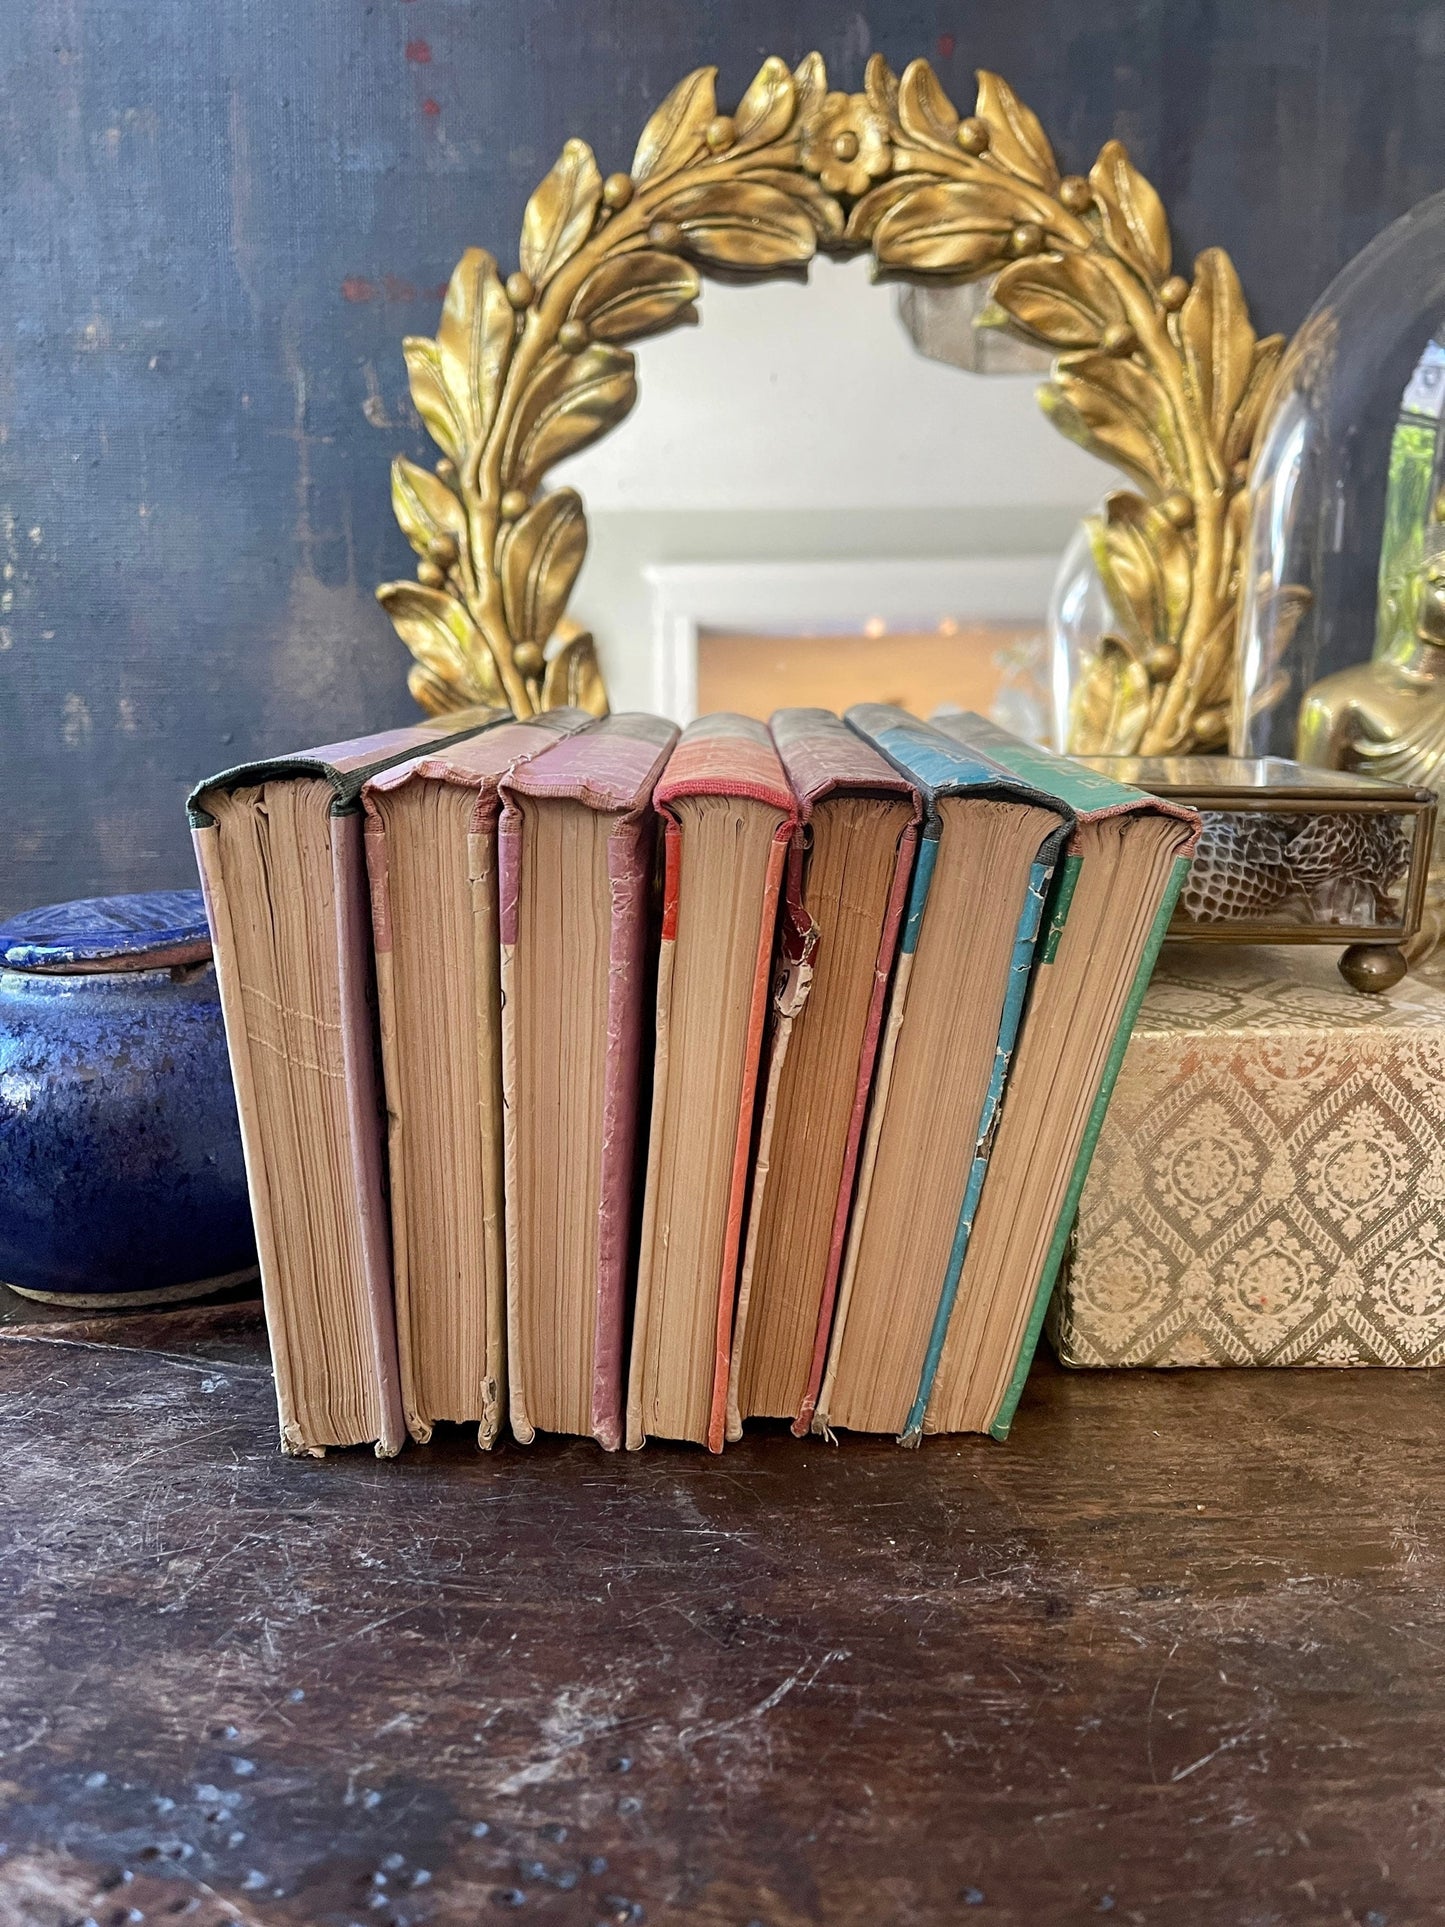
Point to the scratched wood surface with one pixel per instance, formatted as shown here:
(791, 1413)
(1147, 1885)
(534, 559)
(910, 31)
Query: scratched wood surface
(1174, 1654)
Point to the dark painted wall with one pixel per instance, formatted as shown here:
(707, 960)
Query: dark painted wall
(220, 216)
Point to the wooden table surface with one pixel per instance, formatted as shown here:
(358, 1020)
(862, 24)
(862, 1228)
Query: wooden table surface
(1174, 1654)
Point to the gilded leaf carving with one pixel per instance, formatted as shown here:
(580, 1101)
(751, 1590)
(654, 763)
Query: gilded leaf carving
(1155, 371)
(743, 224)
(924, 111)
(1134, 221)
(1144, 563)
(431, 395)
(474, 343)
(638, 294)
(425, 507)
(958, 228)
(1110, 705)
(573, 400)
(573, 677)
(1120, 409)
(541, 555)
(439, 633)
(560, 213)
(1218, 341)
(766, 110)
(1061, 300)
(1240, 438)
(676, 134)
(1017, 138)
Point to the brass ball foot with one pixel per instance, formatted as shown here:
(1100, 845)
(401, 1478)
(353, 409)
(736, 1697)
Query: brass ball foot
(1372, 966)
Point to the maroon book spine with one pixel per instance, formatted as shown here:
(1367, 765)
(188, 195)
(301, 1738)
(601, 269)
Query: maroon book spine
(613, 768)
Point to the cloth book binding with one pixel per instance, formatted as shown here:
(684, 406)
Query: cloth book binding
(576, 850)
(431, 853)
(989, 845)
(279, 848)
(729, 816)
(845, 886)
(1127, 857)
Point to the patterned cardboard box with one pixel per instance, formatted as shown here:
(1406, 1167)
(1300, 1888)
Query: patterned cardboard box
(1269, 1186)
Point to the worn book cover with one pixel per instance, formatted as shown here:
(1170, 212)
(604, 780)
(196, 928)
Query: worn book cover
(728, 813)
(1127, 857)
(576, 848)
(431, 852)
(845, 885)
(992, 840)
(279, 848)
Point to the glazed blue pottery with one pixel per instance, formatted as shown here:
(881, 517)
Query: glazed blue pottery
(121, 1177)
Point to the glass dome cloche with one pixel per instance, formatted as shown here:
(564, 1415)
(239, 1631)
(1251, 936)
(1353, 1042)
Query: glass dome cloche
(1341, 647)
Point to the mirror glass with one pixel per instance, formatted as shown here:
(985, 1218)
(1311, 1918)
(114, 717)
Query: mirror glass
(806, 507)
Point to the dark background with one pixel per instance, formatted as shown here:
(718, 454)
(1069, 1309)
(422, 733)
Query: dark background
(220, 217)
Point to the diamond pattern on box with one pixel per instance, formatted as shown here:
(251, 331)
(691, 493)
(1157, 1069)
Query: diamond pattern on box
(1269, 1186)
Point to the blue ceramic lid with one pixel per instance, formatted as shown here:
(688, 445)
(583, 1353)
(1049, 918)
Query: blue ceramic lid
(157, 928)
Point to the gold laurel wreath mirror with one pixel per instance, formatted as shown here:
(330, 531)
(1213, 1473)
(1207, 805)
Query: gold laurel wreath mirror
(1158, 373)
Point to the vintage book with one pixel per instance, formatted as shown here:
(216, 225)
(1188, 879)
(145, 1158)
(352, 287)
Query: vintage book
(845, 886)
(1128, 855)
(431, 853)
(279, 847)
(576, 848)
(1269, 1181)
(990, 842)
(728, 814)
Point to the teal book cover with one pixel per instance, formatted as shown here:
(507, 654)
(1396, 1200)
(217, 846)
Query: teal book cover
(939, 766)
(1091, 796)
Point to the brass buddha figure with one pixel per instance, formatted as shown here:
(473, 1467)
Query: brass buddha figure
(1387, 717)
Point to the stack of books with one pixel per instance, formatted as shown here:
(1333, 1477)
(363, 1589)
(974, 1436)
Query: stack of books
(602, 1081)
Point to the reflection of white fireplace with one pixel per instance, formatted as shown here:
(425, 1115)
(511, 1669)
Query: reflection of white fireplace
(754, 635)
(796, 466)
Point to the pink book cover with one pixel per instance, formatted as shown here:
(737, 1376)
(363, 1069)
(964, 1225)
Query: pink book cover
(345, 767)
(822, 758)
(726, 755)
(612, 768)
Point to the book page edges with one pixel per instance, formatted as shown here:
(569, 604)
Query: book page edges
(206, 840)
(897, 1004)
(378, 872)
(364, 1115)
(798, 940)
(1020, 969)
(732, 1237)
(1008, 1405)
(636, 1435)
(867, 1058)
(628, 869)
(486, 977)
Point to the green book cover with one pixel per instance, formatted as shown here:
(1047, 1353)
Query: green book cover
(1003, 1417)
(1091, 796)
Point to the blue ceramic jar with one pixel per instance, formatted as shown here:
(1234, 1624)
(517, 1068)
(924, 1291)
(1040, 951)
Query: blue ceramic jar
(121, 1176)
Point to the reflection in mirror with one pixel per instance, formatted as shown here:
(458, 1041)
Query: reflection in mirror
(806, 507)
